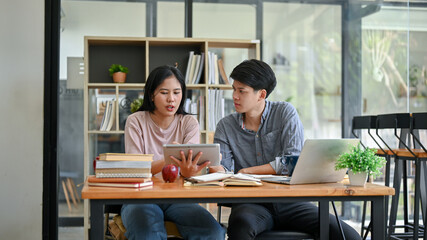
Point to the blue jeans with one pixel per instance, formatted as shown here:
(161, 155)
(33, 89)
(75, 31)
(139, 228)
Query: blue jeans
(146, 221)
(248, 220)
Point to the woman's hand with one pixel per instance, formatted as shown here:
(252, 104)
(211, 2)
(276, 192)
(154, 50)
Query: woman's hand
(188, 166)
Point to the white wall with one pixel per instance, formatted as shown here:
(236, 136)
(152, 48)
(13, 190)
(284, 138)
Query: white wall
(96, 18)
(21, 124)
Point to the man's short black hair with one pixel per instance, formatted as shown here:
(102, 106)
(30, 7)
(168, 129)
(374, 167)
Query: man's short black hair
(256, 74)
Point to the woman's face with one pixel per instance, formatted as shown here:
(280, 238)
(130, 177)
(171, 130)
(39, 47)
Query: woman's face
(167, 97)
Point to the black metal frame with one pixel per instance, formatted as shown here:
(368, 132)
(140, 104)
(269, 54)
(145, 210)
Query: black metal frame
(403, 122)
(50, 125)
(97, 210)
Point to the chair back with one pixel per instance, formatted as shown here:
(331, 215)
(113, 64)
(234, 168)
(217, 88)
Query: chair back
(401, 121)
(419, 121)
(363, 122)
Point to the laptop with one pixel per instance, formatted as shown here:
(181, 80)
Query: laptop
(316, 163)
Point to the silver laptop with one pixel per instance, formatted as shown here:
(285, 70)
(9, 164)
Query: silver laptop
(316, 163)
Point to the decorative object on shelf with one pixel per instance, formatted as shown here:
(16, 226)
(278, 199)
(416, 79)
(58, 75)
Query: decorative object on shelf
(362, 162)
(118, 72)
(136, 104)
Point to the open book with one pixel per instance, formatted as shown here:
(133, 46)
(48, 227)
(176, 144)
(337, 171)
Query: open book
(223, 179)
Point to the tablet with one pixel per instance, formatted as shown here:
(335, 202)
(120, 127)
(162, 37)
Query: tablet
(210, 152)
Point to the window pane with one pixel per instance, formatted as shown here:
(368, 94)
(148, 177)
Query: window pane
(417, 60)
(384, 61)
(302, 43)
(79, 19)
(170, 23)
(215, 20)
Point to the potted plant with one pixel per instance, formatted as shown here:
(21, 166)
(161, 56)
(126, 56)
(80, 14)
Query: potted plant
(360, 162)
(118, 72)
(136, 104)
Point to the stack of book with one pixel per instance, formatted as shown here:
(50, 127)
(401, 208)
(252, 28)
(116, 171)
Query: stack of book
(122, 165)
(122, 170)
(141, 183)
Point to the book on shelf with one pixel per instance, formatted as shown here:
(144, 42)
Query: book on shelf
(200, 69)
(111, 115)
(222, 73)
(187, 73)
(196, 69)
(215, 66)
(227, 179)
(125, 157)
(104, 121)
(192, 66)
(201, 103)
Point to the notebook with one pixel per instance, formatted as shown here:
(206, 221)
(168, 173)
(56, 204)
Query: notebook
(316, 163)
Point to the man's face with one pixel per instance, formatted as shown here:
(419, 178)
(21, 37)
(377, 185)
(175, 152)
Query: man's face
(245, 98)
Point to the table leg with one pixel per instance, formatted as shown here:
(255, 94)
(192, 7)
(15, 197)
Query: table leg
(378, 218)
(96, 220)
(417, 198)
(324, 219)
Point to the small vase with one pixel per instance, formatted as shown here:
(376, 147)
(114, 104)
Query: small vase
(119, 77)
(357, 179)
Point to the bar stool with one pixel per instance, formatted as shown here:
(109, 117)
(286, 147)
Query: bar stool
(419, 122)
(403, 155)
(271, 234)
(360, 123)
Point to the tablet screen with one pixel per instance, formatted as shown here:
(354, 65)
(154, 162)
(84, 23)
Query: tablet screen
(210, 152)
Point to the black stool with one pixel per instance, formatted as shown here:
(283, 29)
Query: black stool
(360, 123)
(403, 155)
(272, 234)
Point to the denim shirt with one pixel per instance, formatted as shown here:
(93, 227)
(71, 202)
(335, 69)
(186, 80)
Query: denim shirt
(280, 133)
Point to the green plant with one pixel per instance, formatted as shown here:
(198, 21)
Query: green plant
(361, 160)
(136, 104)
(117, 68)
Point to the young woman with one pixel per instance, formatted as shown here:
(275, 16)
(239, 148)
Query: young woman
(161, 120)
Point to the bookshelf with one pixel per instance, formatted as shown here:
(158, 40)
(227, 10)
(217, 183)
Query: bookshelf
(141, 55)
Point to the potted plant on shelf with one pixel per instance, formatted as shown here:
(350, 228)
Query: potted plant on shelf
(136, 104)
(360, 162)
(118, 72)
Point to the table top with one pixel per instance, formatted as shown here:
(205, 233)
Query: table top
(176, 189)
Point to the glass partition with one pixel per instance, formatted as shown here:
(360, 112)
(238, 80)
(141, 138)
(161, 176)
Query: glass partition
(302, 43)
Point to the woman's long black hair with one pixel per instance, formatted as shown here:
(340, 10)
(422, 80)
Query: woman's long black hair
(156, 77)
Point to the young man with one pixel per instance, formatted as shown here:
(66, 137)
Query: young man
(250, 140)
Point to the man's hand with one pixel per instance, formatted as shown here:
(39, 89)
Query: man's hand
(214, 169)
(188, 166)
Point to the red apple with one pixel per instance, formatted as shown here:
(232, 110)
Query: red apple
(170, 173)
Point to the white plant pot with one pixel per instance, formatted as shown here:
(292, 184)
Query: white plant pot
(357, 179)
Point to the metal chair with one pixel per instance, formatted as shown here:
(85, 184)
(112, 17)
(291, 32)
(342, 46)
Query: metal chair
(272, 234)
(367, 123)
(419, 122)
(403, 156)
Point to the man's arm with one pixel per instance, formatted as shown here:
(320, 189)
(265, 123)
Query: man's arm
(291, 138)
(227, 161)
(262, 169)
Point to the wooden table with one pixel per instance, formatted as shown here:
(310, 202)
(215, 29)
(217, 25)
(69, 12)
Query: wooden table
(269, 192)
